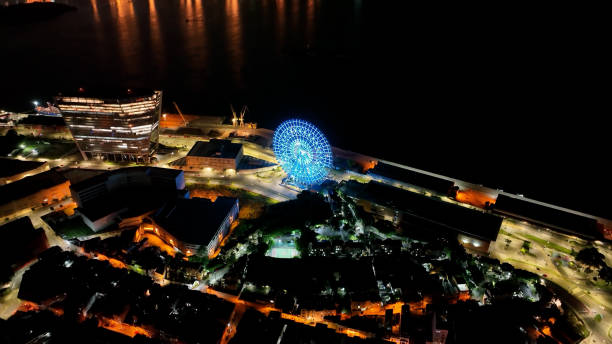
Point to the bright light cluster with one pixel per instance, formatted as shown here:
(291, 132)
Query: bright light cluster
(302, 151)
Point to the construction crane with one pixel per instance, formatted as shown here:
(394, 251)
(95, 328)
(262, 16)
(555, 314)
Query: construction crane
(234, 117)
(180, 113)
(244, 110)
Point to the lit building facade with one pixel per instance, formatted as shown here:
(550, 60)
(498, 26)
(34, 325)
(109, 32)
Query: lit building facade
(218, 155)
(33, 192)
(116, 126)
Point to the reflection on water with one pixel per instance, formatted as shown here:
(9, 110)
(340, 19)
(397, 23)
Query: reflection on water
(281, 22)
(122, 12)
(310, 19)
(204, 54)
(155, 34)
(199, 37)
(234, 37)
(94, 8)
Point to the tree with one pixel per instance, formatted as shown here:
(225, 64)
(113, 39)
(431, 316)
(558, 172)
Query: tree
(6, 274)
(385, 226)
(590, 256)
(150, 258)
(605, 273)
(507, 267)
(214, 133)
(306, 237)
(12, 134)
(367, 218)
(526, 246)
(309, 208)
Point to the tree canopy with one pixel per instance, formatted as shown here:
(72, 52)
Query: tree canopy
(591, 256)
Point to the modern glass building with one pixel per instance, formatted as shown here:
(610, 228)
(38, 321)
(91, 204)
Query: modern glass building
(113, 125)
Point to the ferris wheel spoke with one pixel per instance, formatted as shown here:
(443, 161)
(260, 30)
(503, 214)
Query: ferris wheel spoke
(302, 151)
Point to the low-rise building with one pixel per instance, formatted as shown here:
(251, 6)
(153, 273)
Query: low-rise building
(193, 226)
(562, 220)
(33, 192)
(391, 174)
(475, 229)
(125, 196)
(215, 154)
(22, 243)
(12, 170)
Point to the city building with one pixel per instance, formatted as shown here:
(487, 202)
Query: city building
(33, 192)
(22, 243)
(475, 229)
(12, 170)
(125, 196)
(114, 125)
(215, 154)
(565, 221)
(193, 226)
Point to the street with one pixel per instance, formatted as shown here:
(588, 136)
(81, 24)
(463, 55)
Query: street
(541, 259)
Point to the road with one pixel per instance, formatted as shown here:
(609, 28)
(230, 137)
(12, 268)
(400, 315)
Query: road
(544, 253)
(269, 187)
(268, 307)
(9, 302)
(547, 247)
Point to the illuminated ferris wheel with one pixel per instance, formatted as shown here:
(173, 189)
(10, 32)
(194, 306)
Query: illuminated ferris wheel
(302, 151)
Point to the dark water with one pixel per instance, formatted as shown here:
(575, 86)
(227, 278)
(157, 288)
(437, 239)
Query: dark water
(506, 98)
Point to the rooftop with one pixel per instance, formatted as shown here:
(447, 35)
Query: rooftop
(11, 167)
(163, 172)
(149, 171)
(131, 201)
(411, 177)
(77, 175)
(22, 242)
(547, 216)
(194, 220)
(108, 93)
(215, 149)
(89, 182)
(428, 210)
(29, 185)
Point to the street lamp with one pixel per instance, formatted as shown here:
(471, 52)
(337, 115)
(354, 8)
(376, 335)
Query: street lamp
(35, 102)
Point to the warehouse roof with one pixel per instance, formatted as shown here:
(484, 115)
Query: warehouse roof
(149, 171)
(216, 149)
(162, 172)
(22, 242)
(411, 177)
(573, 223)
(11, 167)
(30, 185)
(194, 220)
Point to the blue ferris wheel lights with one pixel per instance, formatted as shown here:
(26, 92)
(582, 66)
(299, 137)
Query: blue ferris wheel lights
(302, 151)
